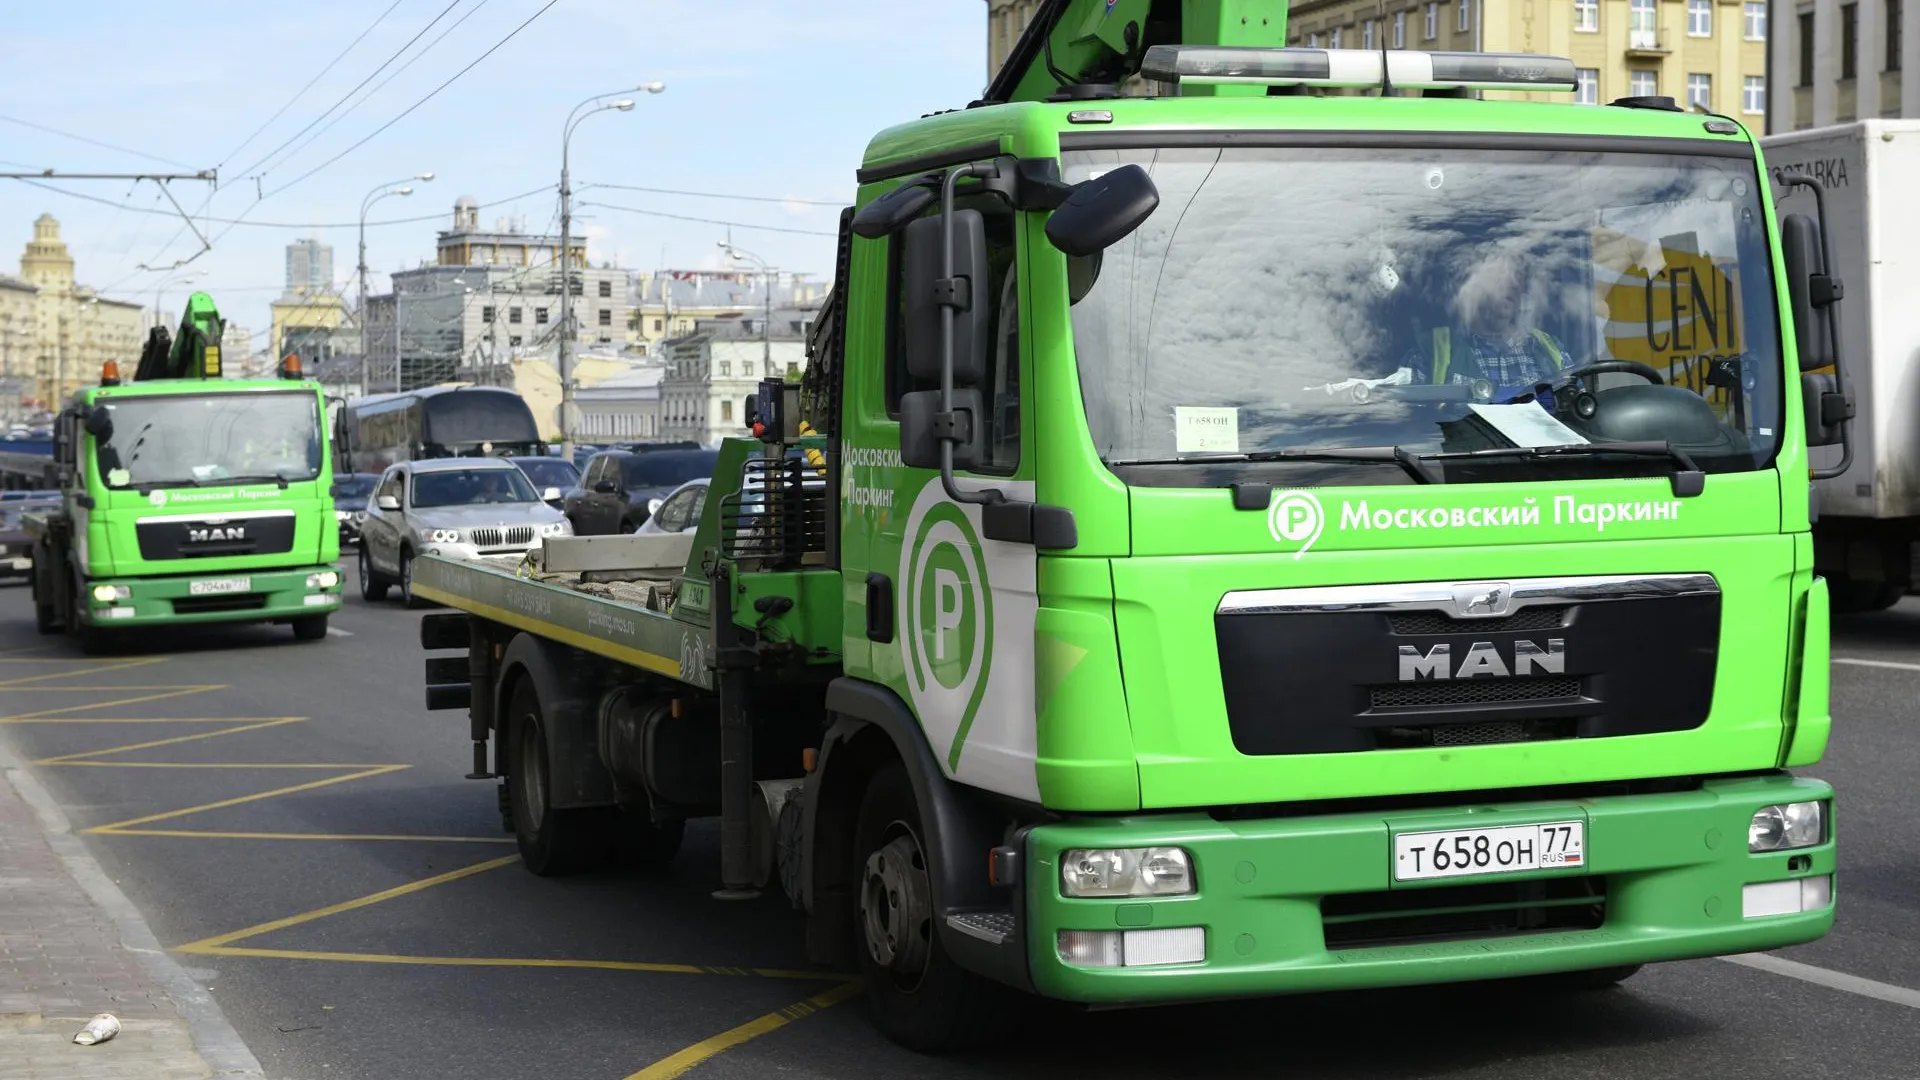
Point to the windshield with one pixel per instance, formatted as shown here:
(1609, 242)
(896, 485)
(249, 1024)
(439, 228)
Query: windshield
(210, 439)
(1436, 300)
(665, 469)
(471, 487)
(356, 486)
(548, 472)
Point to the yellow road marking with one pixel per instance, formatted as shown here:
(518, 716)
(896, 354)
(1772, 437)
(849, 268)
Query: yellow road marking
(97, 669)
(243, 725)
(181, 692)
(211, 765)
(500, 962)
(669, 1067)
(114, 688)
(204, 944)
(207, 834)
(378, 770)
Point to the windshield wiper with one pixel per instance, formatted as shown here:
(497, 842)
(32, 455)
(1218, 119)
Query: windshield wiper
(1687, 479)
(263, 478)
(1361, 455)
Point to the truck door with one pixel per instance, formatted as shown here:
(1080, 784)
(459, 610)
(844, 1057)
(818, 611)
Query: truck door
(948, 616)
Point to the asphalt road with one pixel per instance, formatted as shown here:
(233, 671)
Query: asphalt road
(296, 827)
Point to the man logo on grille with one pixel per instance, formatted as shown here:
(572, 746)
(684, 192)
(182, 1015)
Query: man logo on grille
(946, 617)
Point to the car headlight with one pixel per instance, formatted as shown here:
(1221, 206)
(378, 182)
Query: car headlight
(556, 528)
(1787, 826)
(107, 594)
(440, 536)
(1155, 871)
(325, 579)
(341, 515)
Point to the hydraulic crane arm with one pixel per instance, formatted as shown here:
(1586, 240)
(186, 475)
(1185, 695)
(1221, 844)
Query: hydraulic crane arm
(193, 352)
(1093, 42)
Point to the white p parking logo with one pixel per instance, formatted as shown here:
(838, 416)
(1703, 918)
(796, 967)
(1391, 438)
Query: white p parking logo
(1296, 518)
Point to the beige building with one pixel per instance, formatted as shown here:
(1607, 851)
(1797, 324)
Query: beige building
(72, 331)
(1708, 55)
(1006, 21)
(668, 303)
(306, 326)
(19, 358)
(1845, 61)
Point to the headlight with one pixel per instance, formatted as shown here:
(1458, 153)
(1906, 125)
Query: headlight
(1787, 826)
(341, 515)
(440, 536)
(1158, 871)
(556, 528)
(107, 594)
(325, 579)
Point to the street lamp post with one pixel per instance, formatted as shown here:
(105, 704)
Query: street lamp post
(600, 104)
(374, 196)
(766, 322)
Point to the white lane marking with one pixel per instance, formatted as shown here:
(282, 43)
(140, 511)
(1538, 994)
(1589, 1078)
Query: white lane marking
(1833, 980)
(1895, 664)
(334, 631)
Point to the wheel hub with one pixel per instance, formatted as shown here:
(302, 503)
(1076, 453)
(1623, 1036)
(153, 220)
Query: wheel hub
(896, 908)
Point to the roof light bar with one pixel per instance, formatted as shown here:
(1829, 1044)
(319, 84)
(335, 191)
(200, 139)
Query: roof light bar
(1208, 65)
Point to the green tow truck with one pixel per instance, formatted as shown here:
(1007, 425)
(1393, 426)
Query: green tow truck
(188, 497)
(1232, 538)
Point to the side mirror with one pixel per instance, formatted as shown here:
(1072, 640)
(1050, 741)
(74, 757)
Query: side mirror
(100, 422)
(884, 215)
(920, 432)
(1103, 211)
(653, 506)
(1810, 290)
(550, 494)
(387, 502)
(604, 487)
(927, 288)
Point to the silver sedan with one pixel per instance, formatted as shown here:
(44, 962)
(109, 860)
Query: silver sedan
(456, 507)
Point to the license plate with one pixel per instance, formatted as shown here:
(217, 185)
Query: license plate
(215, 586)
(1505, 850)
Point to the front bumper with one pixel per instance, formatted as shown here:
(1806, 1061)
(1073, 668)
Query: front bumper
(1673, 868)
(268, 595)
(472, 551)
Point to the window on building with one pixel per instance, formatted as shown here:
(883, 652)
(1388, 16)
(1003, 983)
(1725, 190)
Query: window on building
(1849, 40)
(1313, 40)
(1699, 18)
(1335, 43)
(1892, 35)
(1806, 49)
(486, 313)
(1700, 89)
(514, 341)
(1586, 86)
(1753, 94)
(726, 369)
(606, 289)
(1642, 25)
(605, 317)
(513, 315)
(1366, 34)
(1399, 29)
(1755, 15)
(657, 324)
(726, 409)
(1466, 16)
(1433, 19)
(540, 316)
(1643, 83)
(1000, 388)
(1586, 16)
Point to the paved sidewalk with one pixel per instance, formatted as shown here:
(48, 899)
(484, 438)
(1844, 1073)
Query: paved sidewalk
(72, 945)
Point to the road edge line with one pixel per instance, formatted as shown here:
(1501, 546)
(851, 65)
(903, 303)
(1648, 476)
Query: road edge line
(1829, 978)
(214, 1037)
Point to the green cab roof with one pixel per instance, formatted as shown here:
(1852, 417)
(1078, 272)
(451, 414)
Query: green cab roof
(185, 387)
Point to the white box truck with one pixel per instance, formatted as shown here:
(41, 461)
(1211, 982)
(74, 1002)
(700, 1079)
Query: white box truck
(1869, 516)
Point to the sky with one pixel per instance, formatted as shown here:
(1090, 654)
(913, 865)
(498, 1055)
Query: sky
(772, 102)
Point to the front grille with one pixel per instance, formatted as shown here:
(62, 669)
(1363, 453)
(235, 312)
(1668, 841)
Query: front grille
(1433, 622)
(1464, 912)
(518, 534)
(201, 605)
(193, 538)
(1427, 695)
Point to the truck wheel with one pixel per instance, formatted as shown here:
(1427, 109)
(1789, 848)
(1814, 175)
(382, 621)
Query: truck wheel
(91, 639)
(45, 618)
(310, 627)
(373, 587)
(918, 996)
(553, 843)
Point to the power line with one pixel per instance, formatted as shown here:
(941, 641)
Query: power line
(710, 221)
(302, 91)
(396, 73)
(409, 109)
(92, 142)
(231, 222)
(836, 204)
(343, 98)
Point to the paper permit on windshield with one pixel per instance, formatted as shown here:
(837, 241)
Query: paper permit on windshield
(1206, 430)
(1527, 424)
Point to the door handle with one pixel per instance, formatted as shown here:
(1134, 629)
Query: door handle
(879, 608)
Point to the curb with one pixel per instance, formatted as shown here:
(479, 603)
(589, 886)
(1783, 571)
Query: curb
(218, 1044)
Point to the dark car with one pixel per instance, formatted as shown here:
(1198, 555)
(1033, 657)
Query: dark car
(16, 547)
(350, 494)
(551, 476)
(615, 493)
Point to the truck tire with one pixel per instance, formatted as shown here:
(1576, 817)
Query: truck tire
(1850, 597)
(553, 842)
(46, 618)
(91, 639)
(373, 587)
(918, 996)
(310, 627)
